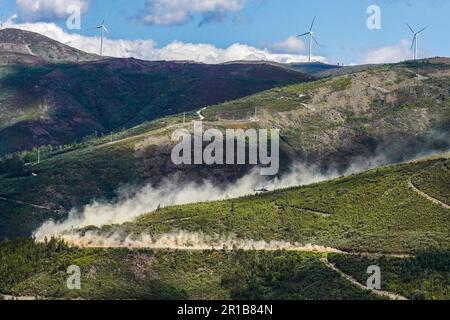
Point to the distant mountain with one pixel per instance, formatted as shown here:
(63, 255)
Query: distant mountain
(316, 69)
(44, 102)
(20, 46)
(323, 70)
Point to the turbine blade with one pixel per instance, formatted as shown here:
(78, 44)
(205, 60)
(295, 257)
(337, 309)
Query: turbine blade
(106, 16)
(312, 24)
(422, 30)
(315, 41)
(302, 35)
(105, 29)
(411, 28)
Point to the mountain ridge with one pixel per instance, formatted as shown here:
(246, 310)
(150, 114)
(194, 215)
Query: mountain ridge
(393, 117)
(16, 42)
(65, 95)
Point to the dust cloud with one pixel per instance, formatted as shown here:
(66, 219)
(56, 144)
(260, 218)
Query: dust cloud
(186, 241)
(133, 202)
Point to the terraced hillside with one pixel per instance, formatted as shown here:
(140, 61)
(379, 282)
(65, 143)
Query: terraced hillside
(145, 274)
(376, 212)
(426, 276)
(31, 194)
(375, 216)
(369, 118)
(389, 112)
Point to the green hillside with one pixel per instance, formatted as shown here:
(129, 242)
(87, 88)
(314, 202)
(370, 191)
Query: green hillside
(386, 111)
(86, 141)
(144, 274)
(377, 116)
(64, 174)
(376, 212)
(375, 215)
(426, 276)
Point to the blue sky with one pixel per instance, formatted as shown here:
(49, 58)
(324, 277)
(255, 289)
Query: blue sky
(340, 27)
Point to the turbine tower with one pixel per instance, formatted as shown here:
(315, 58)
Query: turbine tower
(415, 43)
(103, 29)
(312, 39)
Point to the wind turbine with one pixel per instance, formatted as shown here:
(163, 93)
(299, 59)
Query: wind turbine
(312, 38)
(103, 29)
(415, 43)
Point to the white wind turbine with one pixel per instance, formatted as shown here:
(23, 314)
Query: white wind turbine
(415, 43)
(312, 38)
(103, 29)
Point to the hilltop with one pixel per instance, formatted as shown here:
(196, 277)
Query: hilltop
(69, 95)
(26, 47)
(315, 69)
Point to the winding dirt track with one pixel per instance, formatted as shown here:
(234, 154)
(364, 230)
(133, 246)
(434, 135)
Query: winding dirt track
(426, 196)
(380, 293)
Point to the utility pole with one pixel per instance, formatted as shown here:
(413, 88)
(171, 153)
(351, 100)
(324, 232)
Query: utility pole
(184, 117)
(38, 156)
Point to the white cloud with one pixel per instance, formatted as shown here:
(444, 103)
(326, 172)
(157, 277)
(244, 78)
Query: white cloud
(91, 44)
(208, 53)
(172, 12)
(147, 50)
(45, 10)
(390, 54)
(291, 45)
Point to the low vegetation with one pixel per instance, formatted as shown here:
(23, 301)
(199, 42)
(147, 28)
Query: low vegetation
(82, 99)
(39, 270)
(375, 212)
(426, 276)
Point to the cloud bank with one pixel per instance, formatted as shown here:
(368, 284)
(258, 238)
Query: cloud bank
(47, 10)
(390, 54)
(291, 45)
(176, 12)
(146, 48)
